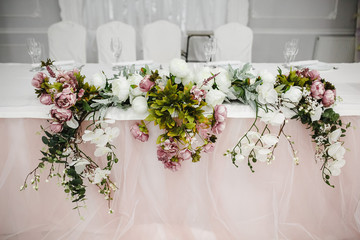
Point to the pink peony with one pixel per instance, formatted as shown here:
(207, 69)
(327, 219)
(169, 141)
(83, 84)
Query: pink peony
(166, 151)
(198, 94)
(138, 134)
(220, 113)
(61, 115)
(38, 79)
(185, 154)
(218, 128)
(46, 99)
(313, 75)
(63, 77)
(65, 99)
(172, 165)
(317, 89)
(203, 130)
(146, 84)
(56, 127)
(329, 98)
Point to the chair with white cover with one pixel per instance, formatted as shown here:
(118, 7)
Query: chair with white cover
(234, 42)
(161, 41)
(125, 33)
(67, 41)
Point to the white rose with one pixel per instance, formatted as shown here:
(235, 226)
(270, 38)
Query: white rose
(98, 80)
(292, 97)
(274, 118)
(335, 135)
(316, 114)
(267, 77)
(201, 76)
(179, 68)
(267, 93)
(140, 105)
(336, 150)
(121, 88)
(269, 139)
(215, 97)
(222, 80)
(135, 79)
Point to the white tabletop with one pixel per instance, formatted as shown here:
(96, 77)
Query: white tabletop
(18, 99)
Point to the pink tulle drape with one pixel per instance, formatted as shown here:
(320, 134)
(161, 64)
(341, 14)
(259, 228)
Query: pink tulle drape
(211, 199)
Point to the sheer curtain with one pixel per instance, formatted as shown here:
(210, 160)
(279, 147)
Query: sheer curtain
(188, 14)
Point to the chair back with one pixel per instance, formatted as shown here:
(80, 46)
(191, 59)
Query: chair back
(124, 32)
(161, 41)
(234, 42)
(67, 41)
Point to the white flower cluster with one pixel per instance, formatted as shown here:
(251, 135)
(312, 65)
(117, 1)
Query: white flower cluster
(101, 138)
(256, 146)
(336, 151)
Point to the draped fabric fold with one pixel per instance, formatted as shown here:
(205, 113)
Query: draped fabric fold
(187, 14)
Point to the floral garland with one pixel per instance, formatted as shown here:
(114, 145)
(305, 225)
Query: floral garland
(188, 107)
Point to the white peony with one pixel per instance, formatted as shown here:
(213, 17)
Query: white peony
(201, 76)
(121, 88)
(222, 80)
(135, 79)
(99, 175)
(139, 104)
(336, 150)
(292, 97)
(215, 97)
(179, 68)
(267, 93)
(98, 80)
(335, 135)
(267, 77)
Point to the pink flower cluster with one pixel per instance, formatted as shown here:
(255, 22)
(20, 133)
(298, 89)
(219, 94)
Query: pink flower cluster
(63, 100)
(198, 94)
(319, 92)
(220, 114)
(146, 84)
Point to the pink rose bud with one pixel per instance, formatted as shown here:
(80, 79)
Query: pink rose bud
(38, 79)
(317, 89)
(329, 98)
(209, 147)
(61, 115)
(56, 127)
(81, 93)
(145, 84)
(138, 134)
(46, 99)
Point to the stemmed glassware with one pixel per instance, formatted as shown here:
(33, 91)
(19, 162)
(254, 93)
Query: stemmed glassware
(210, 49)
(291, 49)
(116, 49)
(34, 50)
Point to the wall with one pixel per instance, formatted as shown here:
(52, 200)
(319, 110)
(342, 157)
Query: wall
(273, 21)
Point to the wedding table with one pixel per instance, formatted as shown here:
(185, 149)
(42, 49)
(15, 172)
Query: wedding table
(210, 199)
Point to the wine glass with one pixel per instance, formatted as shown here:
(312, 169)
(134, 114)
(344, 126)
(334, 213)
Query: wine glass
(34, 50)
(210, 49)
(116, 48)
(291, 49)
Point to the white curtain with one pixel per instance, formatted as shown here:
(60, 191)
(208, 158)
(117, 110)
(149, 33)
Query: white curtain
(188, 14)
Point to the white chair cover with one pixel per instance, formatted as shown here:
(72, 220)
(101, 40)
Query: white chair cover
(161, 41)
(67, 41)
(124, 32)
(234, 42)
